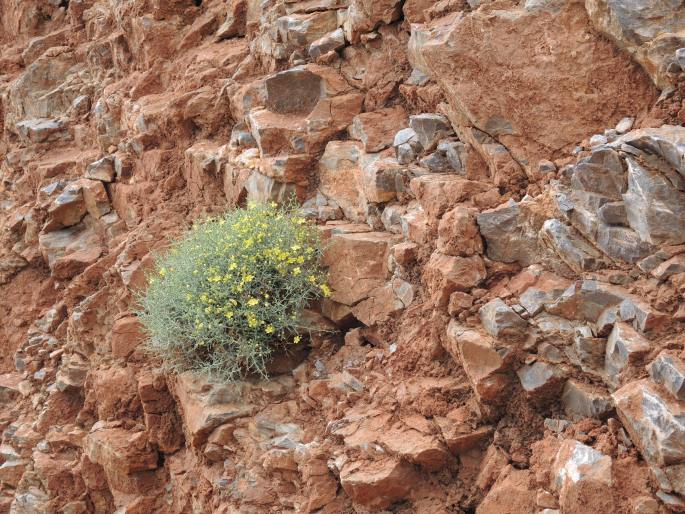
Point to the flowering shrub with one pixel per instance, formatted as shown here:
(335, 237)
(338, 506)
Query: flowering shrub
(230, 292)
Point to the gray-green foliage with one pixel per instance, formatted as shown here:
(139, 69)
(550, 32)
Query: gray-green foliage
(223, 297)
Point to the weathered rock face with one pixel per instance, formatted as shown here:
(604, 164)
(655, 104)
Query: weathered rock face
(470, 71)
(500, 195)
(651, 32)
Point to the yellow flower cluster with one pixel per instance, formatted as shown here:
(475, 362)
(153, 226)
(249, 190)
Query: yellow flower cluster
(237, 286)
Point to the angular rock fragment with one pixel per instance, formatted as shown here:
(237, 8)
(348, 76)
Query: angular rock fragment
(570, 246)
(69, 251)
(384, 302)
(422, 449)
(541, 380)
(407, 146)
(622, 243)
(513, 492)
(376, 130)
(365, 15)
(357, 264)
(654, 420)
(339, 172)
(120, 451)
(613, 213)
(10, 388)
(261, 189)
(586, 300)
(380, 179)
(429, 129)
(438, 193)
(486, 369)
(43, 130)
(461, 437)
(588, 351)
(458, 233)
(670, 267)
(95, 197)
(204, 408)
(579, 470)
(234, 24)
(668, 371)
(625, 347)
(655, 208)
(102, 169)
(445, 274)
(500, 321)
(301, 30)
(331, 42)
(67, 209)
(377, 484)
(507, 234)
(582, 400)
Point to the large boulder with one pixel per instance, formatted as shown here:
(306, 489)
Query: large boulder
(492, 66)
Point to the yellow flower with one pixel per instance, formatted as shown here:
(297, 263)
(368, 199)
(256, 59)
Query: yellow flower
(269, 329)
(229, 314)
(252, 302)
(297, 271)
(162, 272)
(297, 339)
(325, 290)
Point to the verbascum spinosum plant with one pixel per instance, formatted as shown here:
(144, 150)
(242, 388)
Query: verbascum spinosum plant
(225, 296)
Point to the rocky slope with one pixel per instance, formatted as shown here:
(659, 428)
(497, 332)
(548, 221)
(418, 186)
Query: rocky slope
(501, 187)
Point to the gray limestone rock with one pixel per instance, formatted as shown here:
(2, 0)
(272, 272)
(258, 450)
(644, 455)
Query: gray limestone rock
(330, 42)
(622, 243)
(655, 209)
(625, 347)
(509, 235)
(570, 246)
(654, 420)
(500, 321)
(582, 400)
(430, 128)
(541, 380)
(668, 371)
(102, 169)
